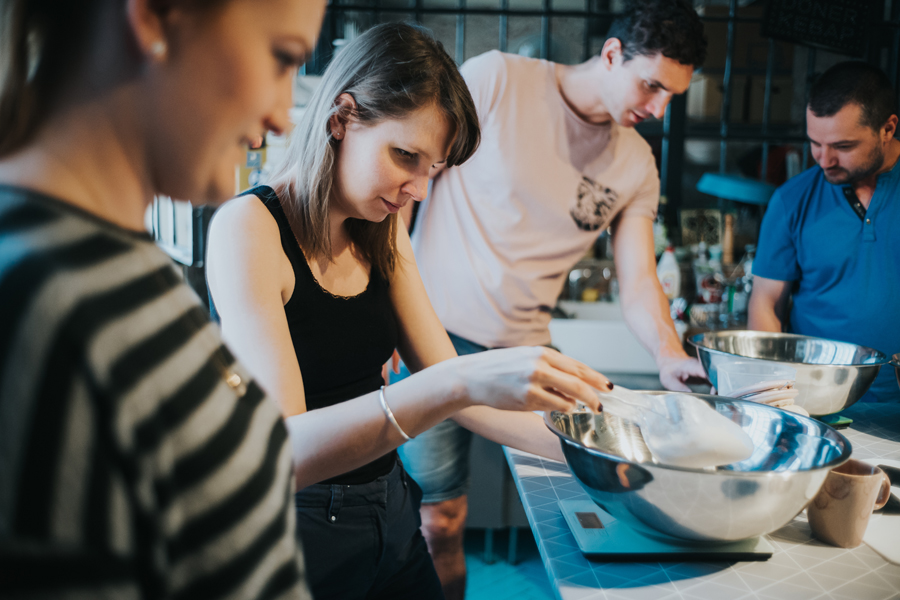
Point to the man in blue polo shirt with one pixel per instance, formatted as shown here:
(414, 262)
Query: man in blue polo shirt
(831, 235)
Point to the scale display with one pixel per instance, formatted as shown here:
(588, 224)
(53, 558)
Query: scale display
(601, 536)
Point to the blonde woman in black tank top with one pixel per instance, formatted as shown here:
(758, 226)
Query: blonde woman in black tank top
(316, 283)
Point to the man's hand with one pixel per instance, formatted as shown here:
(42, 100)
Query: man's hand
(675, 373)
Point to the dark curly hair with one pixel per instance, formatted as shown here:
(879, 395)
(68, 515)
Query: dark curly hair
(670, 27)
(857, 82)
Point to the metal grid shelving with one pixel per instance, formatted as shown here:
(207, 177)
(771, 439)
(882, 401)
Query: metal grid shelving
(583, 24)
(669, 134)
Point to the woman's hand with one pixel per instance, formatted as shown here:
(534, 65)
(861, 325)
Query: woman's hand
(528, 378)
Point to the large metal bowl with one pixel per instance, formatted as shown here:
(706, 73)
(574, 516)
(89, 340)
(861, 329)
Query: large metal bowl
(895, 362)
(792, 456)
(830, 375)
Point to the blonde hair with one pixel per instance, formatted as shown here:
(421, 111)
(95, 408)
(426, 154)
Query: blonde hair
(390, 70)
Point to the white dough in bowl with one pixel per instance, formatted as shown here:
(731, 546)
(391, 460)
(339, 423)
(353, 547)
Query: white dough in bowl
(681, 430)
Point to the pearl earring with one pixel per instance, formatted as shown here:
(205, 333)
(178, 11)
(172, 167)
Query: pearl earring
(158, 48)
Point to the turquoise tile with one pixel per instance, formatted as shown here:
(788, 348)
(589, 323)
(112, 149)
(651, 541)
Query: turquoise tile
(526, 580)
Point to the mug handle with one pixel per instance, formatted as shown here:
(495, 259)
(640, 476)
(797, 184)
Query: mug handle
(884, 494)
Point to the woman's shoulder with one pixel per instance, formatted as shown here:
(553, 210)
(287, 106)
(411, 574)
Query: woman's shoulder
(248, 214)
(245, 244)
(243, 231)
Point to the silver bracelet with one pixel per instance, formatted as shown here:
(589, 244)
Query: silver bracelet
(390, 415)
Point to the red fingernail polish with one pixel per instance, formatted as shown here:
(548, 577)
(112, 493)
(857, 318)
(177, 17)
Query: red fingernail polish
(609, 384)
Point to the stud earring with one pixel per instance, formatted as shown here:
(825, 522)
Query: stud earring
(158, 49)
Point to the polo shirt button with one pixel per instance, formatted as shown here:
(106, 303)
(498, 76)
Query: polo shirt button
(333, 519)
(868, 221)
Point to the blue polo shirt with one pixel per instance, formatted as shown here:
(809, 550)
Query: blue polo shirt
(846, 269)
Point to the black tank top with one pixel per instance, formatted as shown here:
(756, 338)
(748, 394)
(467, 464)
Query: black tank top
(341, 342)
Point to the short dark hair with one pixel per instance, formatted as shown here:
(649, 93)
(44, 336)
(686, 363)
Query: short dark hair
(857, 82)
(669, 27)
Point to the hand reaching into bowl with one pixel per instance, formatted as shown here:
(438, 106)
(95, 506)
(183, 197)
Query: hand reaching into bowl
(529, 378)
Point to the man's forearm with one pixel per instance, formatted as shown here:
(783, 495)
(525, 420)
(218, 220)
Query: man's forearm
(769, 304)
(645, 306)
(646, 312)
(763, 315)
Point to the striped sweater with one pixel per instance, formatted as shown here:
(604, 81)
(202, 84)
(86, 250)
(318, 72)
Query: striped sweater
(137, 458)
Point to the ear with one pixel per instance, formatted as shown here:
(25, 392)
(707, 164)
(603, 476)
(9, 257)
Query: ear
(611, 52)
(889, 129)
(345, 106)
(146, 23)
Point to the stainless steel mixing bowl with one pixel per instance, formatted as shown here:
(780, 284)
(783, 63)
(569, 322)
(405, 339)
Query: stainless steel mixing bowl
(830, 375)
(792, 456)
(895, 362)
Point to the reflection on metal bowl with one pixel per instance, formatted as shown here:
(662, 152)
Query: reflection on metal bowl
(830, 375)
(895, 362)
(792, 456)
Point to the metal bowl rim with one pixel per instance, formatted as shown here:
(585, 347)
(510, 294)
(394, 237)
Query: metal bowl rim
(895, 360)
(880, 356)
(845, 455)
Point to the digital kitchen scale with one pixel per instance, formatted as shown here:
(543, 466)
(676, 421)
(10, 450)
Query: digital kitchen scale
(601, 536)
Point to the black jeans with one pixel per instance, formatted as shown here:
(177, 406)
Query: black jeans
(363, 541)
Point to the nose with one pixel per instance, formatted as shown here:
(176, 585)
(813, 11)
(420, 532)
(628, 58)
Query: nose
(278, 119)
(657, 106)
(827, 158)
(416, 188)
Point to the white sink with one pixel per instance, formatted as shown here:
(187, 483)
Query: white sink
(599, 337)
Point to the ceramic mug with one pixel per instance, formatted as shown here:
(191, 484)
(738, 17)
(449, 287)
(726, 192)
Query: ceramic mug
(839, 513)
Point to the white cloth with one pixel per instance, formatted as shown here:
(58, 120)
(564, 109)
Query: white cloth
(497, 236)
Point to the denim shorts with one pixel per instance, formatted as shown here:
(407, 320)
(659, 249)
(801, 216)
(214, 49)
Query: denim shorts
(438, 459)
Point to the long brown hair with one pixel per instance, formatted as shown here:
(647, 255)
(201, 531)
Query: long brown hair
(31, 63)
(390, 70)
(42, 43)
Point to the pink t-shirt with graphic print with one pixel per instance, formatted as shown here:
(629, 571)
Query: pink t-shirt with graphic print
(498, 235)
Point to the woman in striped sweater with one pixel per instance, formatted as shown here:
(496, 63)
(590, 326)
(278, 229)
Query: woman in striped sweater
(138, 459)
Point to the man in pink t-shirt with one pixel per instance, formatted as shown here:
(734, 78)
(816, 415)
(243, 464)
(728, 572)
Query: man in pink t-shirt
(559, 162)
